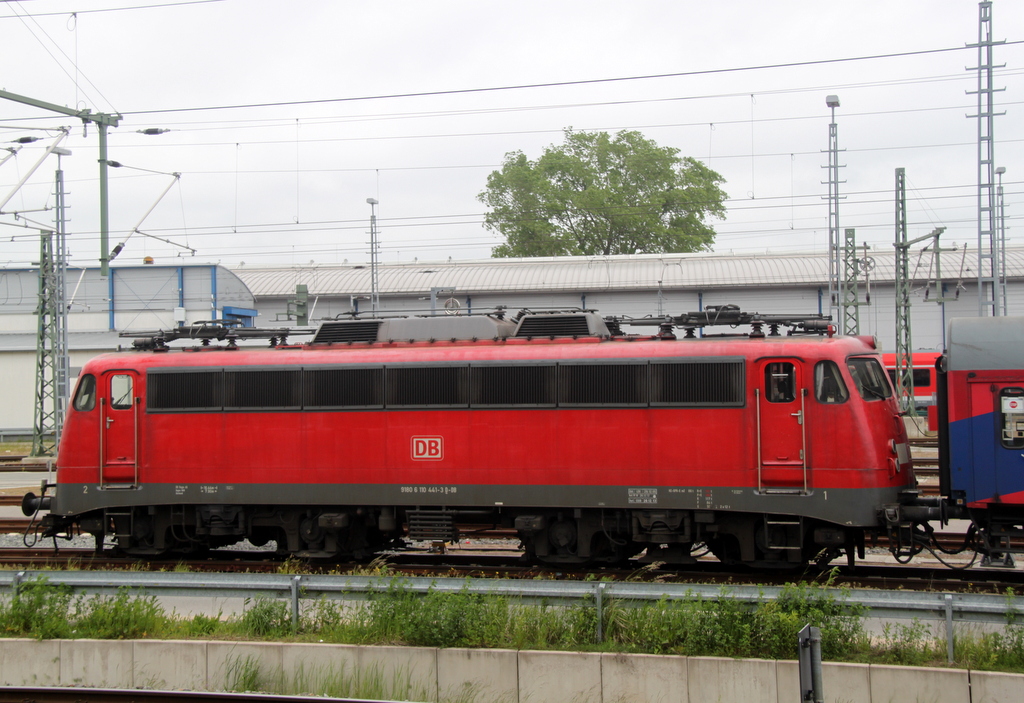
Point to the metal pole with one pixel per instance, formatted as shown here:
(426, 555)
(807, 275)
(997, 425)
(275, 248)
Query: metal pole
(1001, 240)
(948, 603)
(294, 585)
(104, 216)
(809, 651)
(832, 101)
(374, 297)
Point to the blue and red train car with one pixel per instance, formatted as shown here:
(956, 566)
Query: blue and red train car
(981, 421)
(769, 448)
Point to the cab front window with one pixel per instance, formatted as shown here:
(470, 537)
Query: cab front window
(85, 394)
(870, 378)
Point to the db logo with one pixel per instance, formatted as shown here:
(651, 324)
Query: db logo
(428, 448)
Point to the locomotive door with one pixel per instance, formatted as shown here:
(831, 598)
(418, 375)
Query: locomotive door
(781, 426)
(119, 428)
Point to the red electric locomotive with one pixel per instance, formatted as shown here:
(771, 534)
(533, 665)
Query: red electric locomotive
(594, 445)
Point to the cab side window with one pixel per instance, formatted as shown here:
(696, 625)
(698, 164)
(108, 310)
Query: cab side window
(828, 383)
(85, 395)
(780, 382)
(121, 391)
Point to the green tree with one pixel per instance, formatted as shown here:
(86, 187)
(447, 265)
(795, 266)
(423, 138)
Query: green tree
(596, 194)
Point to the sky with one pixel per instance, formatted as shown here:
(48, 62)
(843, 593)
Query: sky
(284, 118)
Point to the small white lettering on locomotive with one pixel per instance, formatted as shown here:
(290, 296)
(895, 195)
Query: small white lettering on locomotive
(429, 489)
(643, 496)
(428, 448)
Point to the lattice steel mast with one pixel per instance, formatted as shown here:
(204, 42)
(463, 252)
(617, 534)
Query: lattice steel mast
(834, 286)
(52, 364)
(989, 259)
(850, 297)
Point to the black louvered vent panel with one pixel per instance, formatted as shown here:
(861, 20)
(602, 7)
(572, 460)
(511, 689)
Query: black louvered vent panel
(341, 388)
(602, 384)
(356, 331)
(514, 385)
(262, 389)
(700, 383)
(417, 386)
(185, 390)
(430, 525)
(553, 326)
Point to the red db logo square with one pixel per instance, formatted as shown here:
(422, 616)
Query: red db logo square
(428, 448)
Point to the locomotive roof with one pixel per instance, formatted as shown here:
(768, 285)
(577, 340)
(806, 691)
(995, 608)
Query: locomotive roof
(985, 343)
(489, 350)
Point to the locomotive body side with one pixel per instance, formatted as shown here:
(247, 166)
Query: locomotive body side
(767, 449)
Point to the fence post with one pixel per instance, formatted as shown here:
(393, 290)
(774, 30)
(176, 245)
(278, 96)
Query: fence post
(948, 603)
(16, 583)
(295, 602)
(809, 641)
(600, 611)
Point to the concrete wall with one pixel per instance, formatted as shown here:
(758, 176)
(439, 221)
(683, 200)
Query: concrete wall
(485, 675)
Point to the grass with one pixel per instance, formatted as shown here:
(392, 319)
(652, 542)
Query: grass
(694, 626)
(336, 681)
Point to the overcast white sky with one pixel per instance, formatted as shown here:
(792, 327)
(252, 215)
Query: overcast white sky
(284, 119)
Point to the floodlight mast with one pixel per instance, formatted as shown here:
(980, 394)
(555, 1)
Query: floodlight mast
(102, 121)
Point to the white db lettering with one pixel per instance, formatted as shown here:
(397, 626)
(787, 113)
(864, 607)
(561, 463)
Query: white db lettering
(427, 448)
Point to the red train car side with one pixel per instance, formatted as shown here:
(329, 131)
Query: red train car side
(593, 444)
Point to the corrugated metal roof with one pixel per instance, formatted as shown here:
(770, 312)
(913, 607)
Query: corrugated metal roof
(77, 341)
(592, 274)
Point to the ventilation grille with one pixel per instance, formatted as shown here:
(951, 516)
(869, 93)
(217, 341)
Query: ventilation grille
(347, 331)
(343, 388)
(432, 525)
(602, 384)
(186, 390)
(532, 385)
(553, 326)
(262, 389)
(427, 386)
(709, 383)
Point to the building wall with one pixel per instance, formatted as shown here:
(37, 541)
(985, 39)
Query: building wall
(132, 298)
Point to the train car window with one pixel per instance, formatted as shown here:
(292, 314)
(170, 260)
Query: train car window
(1011, 412)
(532, 385)
(263, 389)
(85, 395)
(343, 388)
(717, 383)
(121, 391)
(869, 377)
(780, 382)
(602, 384)
(828, 383)
(922, 378)
(184, 390)
(427, 386)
